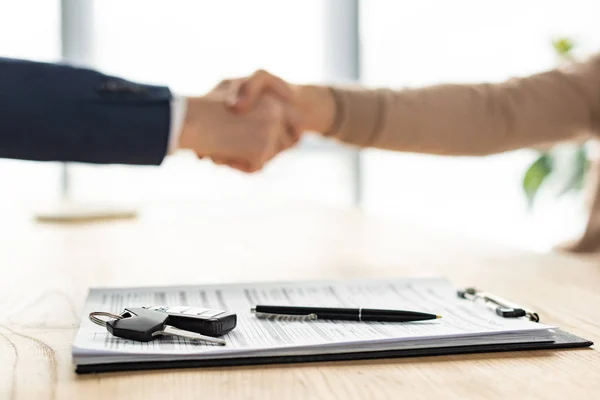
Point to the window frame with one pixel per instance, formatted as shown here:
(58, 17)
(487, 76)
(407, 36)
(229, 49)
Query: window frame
(342, 59)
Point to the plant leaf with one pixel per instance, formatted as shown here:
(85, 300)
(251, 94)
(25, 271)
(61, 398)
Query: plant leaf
(578, 165)
(563, 46)
(535, 176)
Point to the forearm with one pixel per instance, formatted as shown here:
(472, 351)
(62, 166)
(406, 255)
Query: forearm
(470, 119)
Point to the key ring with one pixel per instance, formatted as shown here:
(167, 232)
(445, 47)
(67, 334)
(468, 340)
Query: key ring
(100, 322)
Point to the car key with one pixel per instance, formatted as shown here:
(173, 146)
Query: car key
(144, 325)
(205, 321)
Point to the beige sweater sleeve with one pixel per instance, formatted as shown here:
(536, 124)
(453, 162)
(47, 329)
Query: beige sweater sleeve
(473, 119)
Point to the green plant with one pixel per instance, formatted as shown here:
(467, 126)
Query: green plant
(568, 164)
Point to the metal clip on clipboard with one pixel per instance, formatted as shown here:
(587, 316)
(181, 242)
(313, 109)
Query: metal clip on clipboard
(500, 306)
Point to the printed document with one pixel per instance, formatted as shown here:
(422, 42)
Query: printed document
(463, 322)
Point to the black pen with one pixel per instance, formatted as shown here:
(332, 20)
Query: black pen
(345, 314)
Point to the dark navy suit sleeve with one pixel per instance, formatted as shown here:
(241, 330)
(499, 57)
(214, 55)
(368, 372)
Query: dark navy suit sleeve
(52, 112)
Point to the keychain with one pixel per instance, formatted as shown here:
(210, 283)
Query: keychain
(148, 323)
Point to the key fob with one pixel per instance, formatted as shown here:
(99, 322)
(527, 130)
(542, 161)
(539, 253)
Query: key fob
(138, 324)
(204, 321)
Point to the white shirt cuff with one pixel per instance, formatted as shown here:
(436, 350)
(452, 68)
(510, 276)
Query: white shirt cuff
(178, 110)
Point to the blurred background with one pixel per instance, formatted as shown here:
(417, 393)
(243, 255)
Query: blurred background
(190, 45)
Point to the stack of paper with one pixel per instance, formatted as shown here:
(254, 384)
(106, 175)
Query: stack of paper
(463, 323)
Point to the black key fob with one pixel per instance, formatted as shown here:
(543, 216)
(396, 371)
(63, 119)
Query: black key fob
(138, 324)
(204, 321)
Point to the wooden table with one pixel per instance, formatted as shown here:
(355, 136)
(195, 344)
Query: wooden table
(47, 269)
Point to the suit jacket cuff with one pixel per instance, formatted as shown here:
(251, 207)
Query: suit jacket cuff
(178, 112)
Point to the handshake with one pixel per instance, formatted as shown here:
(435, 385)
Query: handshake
(245, 122)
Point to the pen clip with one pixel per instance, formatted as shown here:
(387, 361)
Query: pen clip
(500, 306)
(284, 317)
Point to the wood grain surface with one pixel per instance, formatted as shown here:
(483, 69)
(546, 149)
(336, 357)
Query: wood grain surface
(47, 270)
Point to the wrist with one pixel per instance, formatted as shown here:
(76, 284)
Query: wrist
(317, 107)
(193, 135)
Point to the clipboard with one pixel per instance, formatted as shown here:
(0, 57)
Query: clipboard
(558, 340)
(562, 340)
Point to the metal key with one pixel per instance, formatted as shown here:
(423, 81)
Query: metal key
(144, 325)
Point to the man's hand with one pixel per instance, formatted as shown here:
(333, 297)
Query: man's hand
(245, 142)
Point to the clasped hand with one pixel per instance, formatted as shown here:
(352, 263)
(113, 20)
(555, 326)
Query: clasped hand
(246, 122)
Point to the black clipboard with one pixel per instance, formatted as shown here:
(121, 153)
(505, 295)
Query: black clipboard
(558, 340)
(561, 340)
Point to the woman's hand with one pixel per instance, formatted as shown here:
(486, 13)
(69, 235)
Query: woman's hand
(313, 107)
(245, 92)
